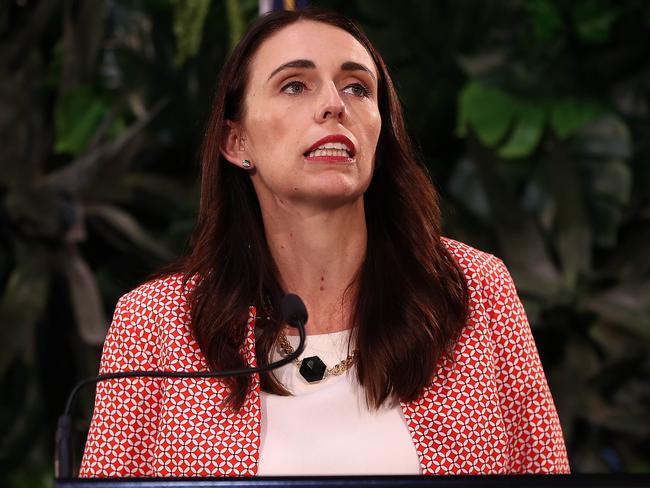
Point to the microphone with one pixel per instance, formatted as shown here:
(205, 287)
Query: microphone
(294, 313)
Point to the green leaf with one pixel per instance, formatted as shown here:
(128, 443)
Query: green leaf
(568, 115)
(488, 110)
(73, 177)
(77, 116)
(189, 18)
(527, 132)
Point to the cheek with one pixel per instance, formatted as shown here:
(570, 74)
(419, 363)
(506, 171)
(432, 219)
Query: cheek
(274, 135)
(377, 127)
(264, 128)
(371, 120)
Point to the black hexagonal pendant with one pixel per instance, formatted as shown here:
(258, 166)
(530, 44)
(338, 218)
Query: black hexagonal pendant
(312, 369)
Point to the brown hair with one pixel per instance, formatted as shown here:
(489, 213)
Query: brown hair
(411, 295)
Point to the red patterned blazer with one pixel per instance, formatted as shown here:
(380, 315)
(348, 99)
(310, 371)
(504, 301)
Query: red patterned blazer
(488, 410)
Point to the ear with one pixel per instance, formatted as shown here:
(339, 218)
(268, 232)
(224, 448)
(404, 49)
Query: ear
(233, 146)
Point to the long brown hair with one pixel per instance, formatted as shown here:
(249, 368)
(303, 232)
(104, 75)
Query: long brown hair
(411, 296)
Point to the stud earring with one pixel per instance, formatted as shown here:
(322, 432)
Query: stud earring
(246, 164)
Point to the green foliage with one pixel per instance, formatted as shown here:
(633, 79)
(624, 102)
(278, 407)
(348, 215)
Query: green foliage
(587, 289)
(189, 17)
(78, 115)
(235, 21)
(570, 114)
(527, 131)
(487, 110)
(94, 187)
(550, 99)
(493, 113)
(532, 117)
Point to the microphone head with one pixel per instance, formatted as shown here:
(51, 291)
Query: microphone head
(294, 311)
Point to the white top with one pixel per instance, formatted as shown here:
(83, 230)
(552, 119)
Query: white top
(325, 428)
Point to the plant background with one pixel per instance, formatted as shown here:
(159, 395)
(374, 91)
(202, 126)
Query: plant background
(533, 117)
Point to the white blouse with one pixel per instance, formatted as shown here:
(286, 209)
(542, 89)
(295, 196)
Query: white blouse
(325, 428)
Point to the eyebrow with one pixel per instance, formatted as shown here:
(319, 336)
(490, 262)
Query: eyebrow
(306, 63)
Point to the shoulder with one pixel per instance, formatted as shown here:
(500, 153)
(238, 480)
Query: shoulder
(493, 296)
(145, 319)
(161, 298)
(481, 269)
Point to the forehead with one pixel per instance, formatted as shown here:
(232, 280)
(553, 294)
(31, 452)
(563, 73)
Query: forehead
(324, 44)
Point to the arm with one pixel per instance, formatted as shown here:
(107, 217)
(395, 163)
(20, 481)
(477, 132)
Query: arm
(536, 444)
(124, 420)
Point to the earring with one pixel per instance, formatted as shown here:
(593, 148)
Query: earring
(246, 164)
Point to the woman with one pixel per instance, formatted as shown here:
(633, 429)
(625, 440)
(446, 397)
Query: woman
(310, 185)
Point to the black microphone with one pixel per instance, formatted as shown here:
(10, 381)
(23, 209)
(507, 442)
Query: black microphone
(294, 313)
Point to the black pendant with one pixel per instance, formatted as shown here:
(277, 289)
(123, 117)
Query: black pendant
(312, 369)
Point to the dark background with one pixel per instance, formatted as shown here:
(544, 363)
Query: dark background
(533, 117)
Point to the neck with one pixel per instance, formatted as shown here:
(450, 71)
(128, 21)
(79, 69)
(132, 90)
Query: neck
(318, 254)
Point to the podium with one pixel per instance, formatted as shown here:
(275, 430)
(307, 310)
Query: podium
(490, 481)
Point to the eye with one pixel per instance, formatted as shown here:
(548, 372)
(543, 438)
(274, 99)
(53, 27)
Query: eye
(358, 90)
(294, 88)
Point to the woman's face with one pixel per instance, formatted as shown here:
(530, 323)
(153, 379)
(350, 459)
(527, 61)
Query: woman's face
(310, 86)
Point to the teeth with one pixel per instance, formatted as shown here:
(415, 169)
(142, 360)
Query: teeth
(331, 149)
(334, 145)
(329, 152)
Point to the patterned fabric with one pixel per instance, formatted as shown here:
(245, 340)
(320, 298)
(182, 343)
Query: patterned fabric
(488, 409)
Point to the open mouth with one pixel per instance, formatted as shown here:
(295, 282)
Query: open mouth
(330, 149)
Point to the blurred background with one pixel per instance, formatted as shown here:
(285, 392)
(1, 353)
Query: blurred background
(533, 117)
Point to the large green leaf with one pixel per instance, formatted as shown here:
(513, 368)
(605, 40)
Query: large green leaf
(570, 114)
(488, 110)
(78, 115)
(527, 133)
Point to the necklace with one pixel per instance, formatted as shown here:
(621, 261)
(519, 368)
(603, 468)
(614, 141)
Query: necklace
(313, 369)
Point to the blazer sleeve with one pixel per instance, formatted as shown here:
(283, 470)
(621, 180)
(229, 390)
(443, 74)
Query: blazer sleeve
(536, 444)
(124, 420)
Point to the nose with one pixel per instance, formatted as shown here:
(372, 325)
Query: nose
(330, 105)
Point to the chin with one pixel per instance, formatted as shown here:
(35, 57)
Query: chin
(335, 198)
(338, 186)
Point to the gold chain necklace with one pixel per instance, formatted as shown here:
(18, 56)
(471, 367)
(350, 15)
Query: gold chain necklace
(313, 369)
